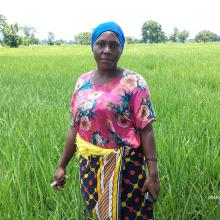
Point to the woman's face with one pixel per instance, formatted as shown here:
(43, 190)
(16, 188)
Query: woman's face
(107, 51)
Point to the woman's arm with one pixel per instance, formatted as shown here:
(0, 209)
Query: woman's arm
(149, 149)
(68, 152)
(69, 148)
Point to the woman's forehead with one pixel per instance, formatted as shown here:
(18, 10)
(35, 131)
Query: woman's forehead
(108, 36)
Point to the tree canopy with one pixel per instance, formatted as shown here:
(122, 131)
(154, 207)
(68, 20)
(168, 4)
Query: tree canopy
(174, 35)
(2, 24)
(83, 38)
(51, 38)
(206, 36)
(183, 36)
(11, 35)
(29, 35)
(152, 32)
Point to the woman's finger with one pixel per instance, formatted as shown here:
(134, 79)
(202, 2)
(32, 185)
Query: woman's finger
(154, 195)
(153, 189)
(59, 187)
(145, 186)
(58, 184)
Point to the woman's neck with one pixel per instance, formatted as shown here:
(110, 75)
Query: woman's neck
(108, 73)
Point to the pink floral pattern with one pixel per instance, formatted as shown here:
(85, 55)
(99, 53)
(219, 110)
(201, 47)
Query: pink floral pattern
(85, 124)
(112, 114)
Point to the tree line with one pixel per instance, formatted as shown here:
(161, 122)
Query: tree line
(152, 33)
(13, 35)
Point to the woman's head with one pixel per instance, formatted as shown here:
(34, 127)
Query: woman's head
(107, 45)
(108, 26)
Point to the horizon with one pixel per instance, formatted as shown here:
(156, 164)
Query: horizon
(68, 18)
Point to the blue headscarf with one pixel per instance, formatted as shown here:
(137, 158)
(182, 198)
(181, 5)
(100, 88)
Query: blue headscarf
(108, 26)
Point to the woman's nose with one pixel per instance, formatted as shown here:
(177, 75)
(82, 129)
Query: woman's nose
(107, 49)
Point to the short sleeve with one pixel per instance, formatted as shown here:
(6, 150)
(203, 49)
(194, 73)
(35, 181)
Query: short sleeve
(76, 92)
(73, 103)
(141, 105)
(73, 109)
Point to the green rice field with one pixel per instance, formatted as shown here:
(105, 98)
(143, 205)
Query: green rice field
(36, 84)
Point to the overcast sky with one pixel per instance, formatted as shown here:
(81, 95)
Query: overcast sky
(66, 18)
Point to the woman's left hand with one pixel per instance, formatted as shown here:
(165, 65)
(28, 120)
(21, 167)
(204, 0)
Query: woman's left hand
(152, 185)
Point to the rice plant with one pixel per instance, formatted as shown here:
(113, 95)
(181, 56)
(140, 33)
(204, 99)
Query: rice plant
(36, 84)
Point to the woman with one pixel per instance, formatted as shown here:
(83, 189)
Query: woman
(111, 127)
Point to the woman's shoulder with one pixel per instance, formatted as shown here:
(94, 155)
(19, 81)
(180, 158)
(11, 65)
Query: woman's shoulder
(133, 80)
(128, 72)
(84, 76)
(81, 80)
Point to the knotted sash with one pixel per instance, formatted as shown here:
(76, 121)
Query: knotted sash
(108, 177)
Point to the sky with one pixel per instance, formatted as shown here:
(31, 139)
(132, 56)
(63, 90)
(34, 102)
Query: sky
(67, 18)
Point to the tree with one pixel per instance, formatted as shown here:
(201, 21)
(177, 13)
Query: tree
(206, 36)
(174, 35)
(51, 38)
(152, 32)
(131, 40)
(29, 35)
(183, 36)
(2, 24)
(83, 38)
(10, 35)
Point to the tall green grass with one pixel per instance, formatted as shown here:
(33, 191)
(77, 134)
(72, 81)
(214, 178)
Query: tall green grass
(36, 84)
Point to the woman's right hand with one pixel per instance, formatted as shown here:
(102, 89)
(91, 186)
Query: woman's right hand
(68, 152)
(60, 178)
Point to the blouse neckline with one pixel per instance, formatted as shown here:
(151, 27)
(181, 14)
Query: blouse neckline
(106, 83)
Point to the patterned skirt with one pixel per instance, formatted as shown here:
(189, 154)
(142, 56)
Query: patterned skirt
(132, 205)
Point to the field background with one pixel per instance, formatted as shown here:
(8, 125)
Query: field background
(36, 84)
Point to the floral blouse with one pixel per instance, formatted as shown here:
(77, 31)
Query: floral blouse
(112, 114)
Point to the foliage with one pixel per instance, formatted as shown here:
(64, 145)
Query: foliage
(29, 35)
(131, 40)
(10, 35)
(152, 32)
(51, 38)
(183, 36)
(2, 24)
(206, 36)
(29, 31)
(60, 41)
(179, 36)
(83, 38)
(174, 35)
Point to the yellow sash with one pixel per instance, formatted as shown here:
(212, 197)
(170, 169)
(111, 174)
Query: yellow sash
(87, 149)
(108, 197)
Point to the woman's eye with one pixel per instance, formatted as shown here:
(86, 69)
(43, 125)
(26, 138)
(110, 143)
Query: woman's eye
(100, 44)
(113, 46)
